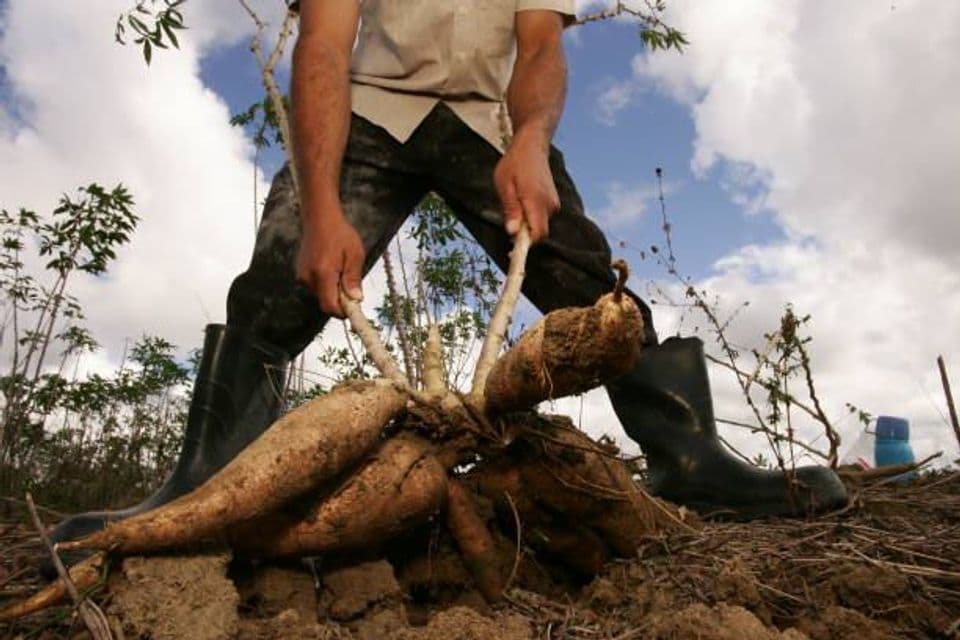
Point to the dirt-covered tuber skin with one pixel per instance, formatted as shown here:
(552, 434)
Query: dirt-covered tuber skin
(474, 541)
(578, 502)
(400, 487)
(306, 447)
(568, 351)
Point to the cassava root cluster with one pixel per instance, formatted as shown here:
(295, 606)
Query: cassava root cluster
(356, 467)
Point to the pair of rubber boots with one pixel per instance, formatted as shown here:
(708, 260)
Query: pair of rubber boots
(664, 405)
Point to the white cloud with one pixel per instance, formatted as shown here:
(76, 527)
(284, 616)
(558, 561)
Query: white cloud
(845, 116)
(614, 98)
(89, 110)
(625, 205)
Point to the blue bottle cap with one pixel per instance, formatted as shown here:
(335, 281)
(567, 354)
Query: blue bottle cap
(892, 428)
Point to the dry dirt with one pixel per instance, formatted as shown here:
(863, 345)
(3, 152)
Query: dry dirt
(167, 598)
(887, 567)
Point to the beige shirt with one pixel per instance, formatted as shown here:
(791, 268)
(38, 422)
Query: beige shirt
(412, 54)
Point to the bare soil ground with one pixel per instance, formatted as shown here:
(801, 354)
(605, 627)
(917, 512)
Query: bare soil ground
(886, 567)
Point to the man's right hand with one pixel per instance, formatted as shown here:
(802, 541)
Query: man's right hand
(330, 259)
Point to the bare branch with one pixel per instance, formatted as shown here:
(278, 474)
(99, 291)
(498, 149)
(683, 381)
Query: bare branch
(945, 381)
(90, 613)
(399, 321)
(267, 66)
(832, 436)
(779, 437)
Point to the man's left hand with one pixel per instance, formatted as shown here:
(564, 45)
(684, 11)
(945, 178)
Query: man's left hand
(526, 188)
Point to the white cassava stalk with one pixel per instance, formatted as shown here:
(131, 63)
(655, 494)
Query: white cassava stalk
(433, 382)
(502, 314)
(371, 341)
(358, 321)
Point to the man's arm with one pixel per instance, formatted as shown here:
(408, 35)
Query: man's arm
(331, 253)
(535, 99)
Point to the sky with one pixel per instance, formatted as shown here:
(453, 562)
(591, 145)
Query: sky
(809, 152)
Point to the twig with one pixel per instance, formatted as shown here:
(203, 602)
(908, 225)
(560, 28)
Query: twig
(832, 436)
(516, 557)
(946, 390)
(267, 66)
(89, 612)
(502, 313)
(880, 473)
(650, 19)
(732, 448)
(416, 308)
(398, 321)
(793, 400)
(761, 359)
(772, 434)
(909, 569)
(11, 577)
(371, 340)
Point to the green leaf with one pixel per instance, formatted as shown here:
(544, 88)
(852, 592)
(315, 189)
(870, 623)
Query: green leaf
(171, 35)
(138, 25)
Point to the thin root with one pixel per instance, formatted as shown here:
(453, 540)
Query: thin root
(623, 272)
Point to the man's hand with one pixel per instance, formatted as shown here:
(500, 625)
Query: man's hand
(330, 259)
(526, 188)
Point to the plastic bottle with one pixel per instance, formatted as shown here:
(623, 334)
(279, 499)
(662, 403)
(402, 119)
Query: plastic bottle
(893, 444)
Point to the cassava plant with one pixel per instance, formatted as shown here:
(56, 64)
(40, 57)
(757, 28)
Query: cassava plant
(74, 439)
(80, 237)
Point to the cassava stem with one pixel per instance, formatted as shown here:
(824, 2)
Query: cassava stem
(502, 315)
(371, 340)
(433, 382)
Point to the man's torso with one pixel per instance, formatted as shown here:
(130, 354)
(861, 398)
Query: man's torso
(412, 54)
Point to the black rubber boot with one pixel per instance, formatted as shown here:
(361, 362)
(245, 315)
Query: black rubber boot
(664, 404)
(236, 396)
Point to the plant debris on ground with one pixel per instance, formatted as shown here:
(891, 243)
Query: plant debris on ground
(888, 566)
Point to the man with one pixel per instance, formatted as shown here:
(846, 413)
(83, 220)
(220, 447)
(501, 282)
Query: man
(416, 106)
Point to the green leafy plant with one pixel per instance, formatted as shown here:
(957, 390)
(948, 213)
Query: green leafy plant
(78, 440)
(166, 20)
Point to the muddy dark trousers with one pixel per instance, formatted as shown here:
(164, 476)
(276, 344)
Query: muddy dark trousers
(382, 181)
(236, 395)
